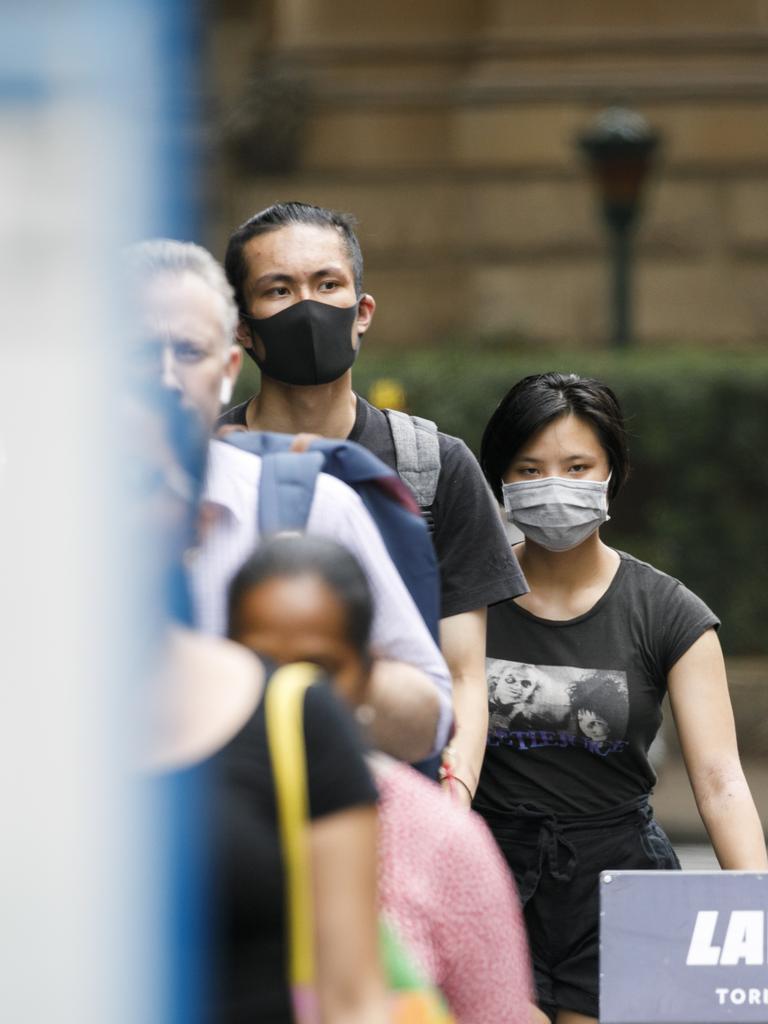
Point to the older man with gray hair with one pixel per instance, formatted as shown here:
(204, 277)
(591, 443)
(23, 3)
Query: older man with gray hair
(186, 323)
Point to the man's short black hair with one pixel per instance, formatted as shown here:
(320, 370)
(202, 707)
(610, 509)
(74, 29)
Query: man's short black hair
(281, 215)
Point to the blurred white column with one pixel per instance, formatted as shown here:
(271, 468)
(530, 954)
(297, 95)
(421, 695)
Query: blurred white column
(78, 127)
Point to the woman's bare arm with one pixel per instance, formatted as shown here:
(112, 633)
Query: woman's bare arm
(701, 705)
(344, 868)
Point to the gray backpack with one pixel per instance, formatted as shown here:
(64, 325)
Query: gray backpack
(417, 457)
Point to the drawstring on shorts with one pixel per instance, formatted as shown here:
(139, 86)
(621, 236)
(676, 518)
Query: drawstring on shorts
(554, 850)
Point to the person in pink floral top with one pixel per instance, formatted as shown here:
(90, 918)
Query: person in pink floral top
(447, 889)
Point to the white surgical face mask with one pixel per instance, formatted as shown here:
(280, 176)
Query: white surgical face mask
(556, 512)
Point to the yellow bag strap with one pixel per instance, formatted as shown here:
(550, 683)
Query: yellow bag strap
(284, 714)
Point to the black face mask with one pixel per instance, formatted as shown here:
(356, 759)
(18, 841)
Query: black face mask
(306, 343)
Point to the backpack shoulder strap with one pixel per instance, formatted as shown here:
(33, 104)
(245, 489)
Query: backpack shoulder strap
(417, 453)
(286, 490)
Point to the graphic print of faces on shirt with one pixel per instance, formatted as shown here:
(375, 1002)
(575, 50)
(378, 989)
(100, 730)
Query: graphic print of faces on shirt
(591, 704)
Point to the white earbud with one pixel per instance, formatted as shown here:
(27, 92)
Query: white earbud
(226, 390)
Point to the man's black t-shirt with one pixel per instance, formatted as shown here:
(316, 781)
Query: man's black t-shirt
(575, 705)
(477, 566)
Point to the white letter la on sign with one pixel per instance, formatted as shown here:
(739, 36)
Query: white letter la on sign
(744, 939)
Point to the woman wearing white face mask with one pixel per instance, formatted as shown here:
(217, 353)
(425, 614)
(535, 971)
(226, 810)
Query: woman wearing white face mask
(609, 636)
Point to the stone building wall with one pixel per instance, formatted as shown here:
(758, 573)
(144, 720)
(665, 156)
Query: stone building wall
(448, 127)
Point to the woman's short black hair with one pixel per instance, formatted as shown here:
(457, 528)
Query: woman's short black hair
(536, 401)
(332, 563)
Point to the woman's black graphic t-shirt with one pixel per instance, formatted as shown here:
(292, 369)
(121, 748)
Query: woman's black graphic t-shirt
(575, 705)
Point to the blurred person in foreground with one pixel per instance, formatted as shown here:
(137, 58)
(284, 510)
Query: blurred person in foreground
(297, 273)
(442, 881)
(206, 734)
(187, 319)
(606, 636)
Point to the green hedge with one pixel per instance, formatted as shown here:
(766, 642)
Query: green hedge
(696, 504)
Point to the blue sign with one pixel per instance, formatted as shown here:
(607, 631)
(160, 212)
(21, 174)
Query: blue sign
(683, 947)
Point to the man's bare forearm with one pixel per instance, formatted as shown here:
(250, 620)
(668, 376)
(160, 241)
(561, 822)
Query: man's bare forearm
(406, 707)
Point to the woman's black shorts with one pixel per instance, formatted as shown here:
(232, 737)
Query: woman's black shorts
(557, 864)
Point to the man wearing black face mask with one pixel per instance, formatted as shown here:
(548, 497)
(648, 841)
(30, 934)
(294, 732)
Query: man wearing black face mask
(296, 271)
(297, 277)
(307, 343)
